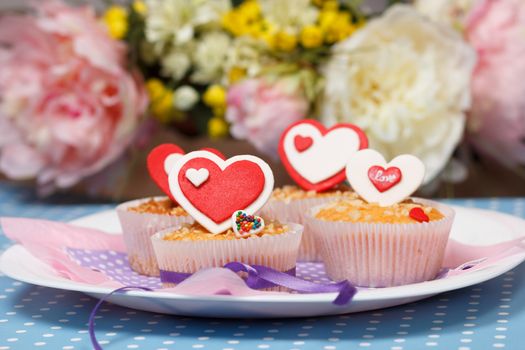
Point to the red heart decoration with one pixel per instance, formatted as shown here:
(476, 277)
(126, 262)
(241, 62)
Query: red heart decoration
(156, 168)
(418, 214)
(302, 143)
(224, 191)
(155, 163)
(383, 179)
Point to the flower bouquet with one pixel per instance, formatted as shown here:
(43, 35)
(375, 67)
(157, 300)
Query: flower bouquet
(80, 89)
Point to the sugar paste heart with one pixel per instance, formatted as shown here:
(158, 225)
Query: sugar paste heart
(197, 176)
(412, 172)
(315, 157)
(244, 224)
(238, 183)
(161, 160)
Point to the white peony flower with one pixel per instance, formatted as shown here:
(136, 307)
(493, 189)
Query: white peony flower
(174, 22)
(449, 12)
(289, 15)
(209, 56)
(405, 81)
(185, 97)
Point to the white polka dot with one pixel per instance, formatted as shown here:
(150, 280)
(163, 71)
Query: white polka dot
(502, 321)
(466, 340)
(298, 343)
(273, 331)
(29, 324)
(168, 342)
(75, 339)
(329, 347)
(39, 343)
(20, 331)
(463, 348)
(498, 345)
(364, 344)
(139, 338)
(433, 335)
(48, 335)
(436, 328)
(467, 332)
(197, 346)
(232, 342)
(501, 329)
(469, 325)
(263, 346)
(12, 340)
(203, 338)
(303, 335)
(500, 336)
(333, 339)
(431, 343)
(68, 347)
(132, 346)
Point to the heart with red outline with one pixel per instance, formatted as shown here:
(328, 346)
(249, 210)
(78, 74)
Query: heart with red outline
(161, 160)
(315, 156)
(377, 181)
(210, 188)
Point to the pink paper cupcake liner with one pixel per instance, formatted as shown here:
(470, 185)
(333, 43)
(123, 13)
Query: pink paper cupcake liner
(295, 211)
(383, 255)
(278, 252)
(137, 229)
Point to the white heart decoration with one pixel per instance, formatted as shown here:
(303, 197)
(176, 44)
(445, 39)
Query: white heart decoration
(327, 155)
(200, 217)
(412, 170)
(197, 177)
(170, 161)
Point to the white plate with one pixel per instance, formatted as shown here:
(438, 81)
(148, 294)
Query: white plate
(472, 226)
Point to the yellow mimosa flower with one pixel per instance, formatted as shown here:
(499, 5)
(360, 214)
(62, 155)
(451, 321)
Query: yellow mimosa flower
(215, 96)
(217, 127)
(140, 7)
(116, 20)
(311, 37)
(285, 41)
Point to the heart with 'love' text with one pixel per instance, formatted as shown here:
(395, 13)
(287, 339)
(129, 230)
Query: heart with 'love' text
(315, 156)
(210, 188)
(377, 181)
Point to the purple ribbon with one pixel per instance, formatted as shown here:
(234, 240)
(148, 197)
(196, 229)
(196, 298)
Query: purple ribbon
(91, 321)
(259, 277)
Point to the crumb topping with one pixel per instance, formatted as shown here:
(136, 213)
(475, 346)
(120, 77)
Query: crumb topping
(195, 232)
(357, 210)
(291, 192)
(159, 206)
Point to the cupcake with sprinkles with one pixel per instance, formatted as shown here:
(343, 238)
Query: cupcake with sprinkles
(383, 238)
(223, 197)
(315, 158)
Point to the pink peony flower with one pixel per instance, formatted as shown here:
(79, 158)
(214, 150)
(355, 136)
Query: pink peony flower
(496, 29)
(260, 111)
(68, 107)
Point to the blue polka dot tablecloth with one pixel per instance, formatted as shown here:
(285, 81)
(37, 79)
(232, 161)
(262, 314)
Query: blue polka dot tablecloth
(485, 316)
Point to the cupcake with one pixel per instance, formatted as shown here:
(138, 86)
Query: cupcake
(315, 158)
(142, 218)
(223, 197)
(190, 247)
(383, 238)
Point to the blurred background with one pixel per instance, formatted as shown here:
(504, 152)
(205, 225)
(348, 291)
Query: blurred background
(88, 88)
